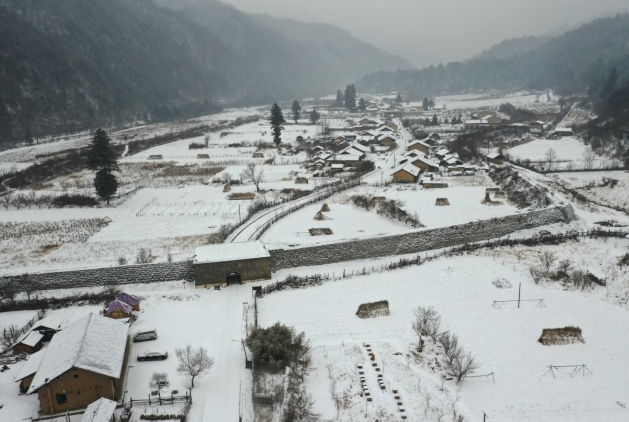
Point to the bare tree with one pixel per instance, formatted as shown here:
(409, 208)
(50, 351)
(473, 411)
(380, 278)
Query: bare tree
(547, 259)
(450, 344)
(300, 408)
(589, 156)
(9, 336)
(463, 366)
(565, 265)
(144, 256)
(551, 156)
(536, 273)
(207, 140)
(7, 200)
(158, 381)
(193, 363)
(255, 173)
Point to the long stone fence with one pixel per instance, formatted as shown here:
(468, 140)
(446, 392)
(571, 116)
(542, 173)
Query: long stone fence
(407, 243)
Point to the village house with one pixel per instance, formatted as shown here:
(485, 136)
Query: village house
(495, 158)
(563, 131)
(406, 173)
(81, 364)
(387, 141)
(420, 146)
(424, 164)
(348, 160)
(29, 342)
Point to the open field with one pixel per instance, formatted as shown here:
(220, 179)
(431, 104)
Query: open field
(611, 187)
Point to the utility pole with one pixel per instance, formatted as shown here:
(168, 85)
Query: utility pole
(484, 417)
(519, 290)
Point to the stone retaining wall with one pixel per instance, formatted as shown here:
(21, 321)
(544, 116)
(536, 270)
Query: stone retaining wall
(413, 242)
(124, 274)
(417, 241)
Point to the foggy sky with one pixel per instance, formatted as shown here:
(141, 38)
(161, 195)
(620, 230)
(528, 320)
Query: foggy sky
(438, 31)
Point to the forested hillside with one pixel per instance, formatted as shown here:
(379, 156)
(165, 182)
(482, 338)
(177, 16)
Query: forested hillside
(67, 65)
(569, 63)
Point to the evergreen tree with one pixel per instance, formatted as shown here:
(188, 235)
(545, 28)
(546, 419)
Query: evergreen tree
(296, 111)
(612, 80)
(103, 159)
(362, 105)
(350, 97)
(427, 122)
(340, 99)
(435, 121)
(277, 120)
(425, 104)
(105, 184)
(431, 104)
(314, 116)
(398, 99)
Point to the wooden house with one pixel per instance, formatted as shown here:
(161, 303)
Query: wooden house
(424, 164)
(129, 300)
(563, 131)
(406, 173)
(496, 158)
(420, 146)
(82, 363)
(118, 310)
(387, 141)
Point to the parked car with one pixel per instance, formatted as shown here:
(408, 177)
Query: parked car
(145, 335)
(152, 355)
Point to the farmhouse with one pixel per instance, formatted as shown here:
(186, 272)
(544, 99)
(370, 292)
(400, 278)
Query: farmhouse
(496, 158)
(420, 146)
(424, 164)
(82, 364)
(387, 141)
(406, 173)
(563, 131)
(348, 160)
(231, 263)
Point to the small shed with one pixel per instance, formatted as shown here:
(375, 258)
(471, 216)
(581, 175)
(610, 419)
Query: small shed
(29, 343)
(407, 173)
(231, 263)
(496, 158)
(118, 310)
(129, 300)
(102, 410)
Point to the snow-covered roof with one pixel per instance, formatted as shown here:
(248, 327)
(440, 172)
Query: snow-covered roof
(99, 411)
(31, 365)
(60, 319)
(418, 143)
(94, 343)
(230, 252)
(30, 338)
(563, 129)
(425, 161)
(442, 151)
(337, 166)
(409, 168)
(359, 147)
(494, 155)
(476, 121)
(117, 304)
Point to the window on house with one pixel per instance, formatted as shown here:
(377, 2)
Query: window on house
(76, 376)
(62, 398)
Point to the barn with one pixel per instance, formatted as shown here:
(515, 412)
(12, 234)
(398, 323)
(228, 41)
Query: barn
(231, 263)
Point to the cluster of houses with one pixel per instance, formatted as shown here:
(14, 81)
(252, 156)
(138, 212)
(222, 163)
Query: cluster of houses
(82, 365)
(486, 120)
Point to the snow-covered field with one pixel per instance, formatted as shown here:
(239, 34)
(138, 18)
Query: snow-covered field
(597, 186)
(494, 100)
(503, 340)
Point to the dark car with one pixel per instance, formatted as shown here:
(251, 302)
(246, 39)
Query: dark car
(152, 356)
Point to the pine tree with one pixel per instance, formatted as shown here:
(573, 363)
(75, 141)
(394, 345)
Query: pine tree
(398, 99)
(612, 80)
(105, 184)
(340, 99)
(296, 108)
(431, 104)
(350, 97)
(277, 120)
(425, 104)
(103, 159)
(314, 116)
(362, 105)
(427, 122)
(435, 121)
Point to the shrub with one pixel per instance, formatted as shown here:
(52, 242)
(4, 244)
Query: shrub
(365, 166)
(74, 201)
(195, 145)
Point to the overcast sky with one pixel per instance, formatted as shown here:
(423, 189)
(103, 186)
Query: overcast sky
(430, 32)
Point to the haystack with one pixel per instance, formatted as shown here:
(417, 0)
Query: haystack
(118, 309)
(320, 231)
(319, 216)
(487, 199)
(559, 336)
(325, 208)
(227, 188)
(258, 155)
(442, 202)
(301, 181)
(373, 309)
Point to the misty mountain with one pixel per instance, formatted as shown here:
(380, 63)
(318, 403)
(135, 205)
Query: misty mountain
(513, 47)
(68, 65)
(569, 63)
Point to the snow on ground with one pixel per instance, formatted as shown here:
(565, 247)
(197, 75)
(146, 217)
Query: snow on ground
(567, 149)
(345, 221)
(19, 318)
(476, 101)
(593, 186)
(503, 340)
